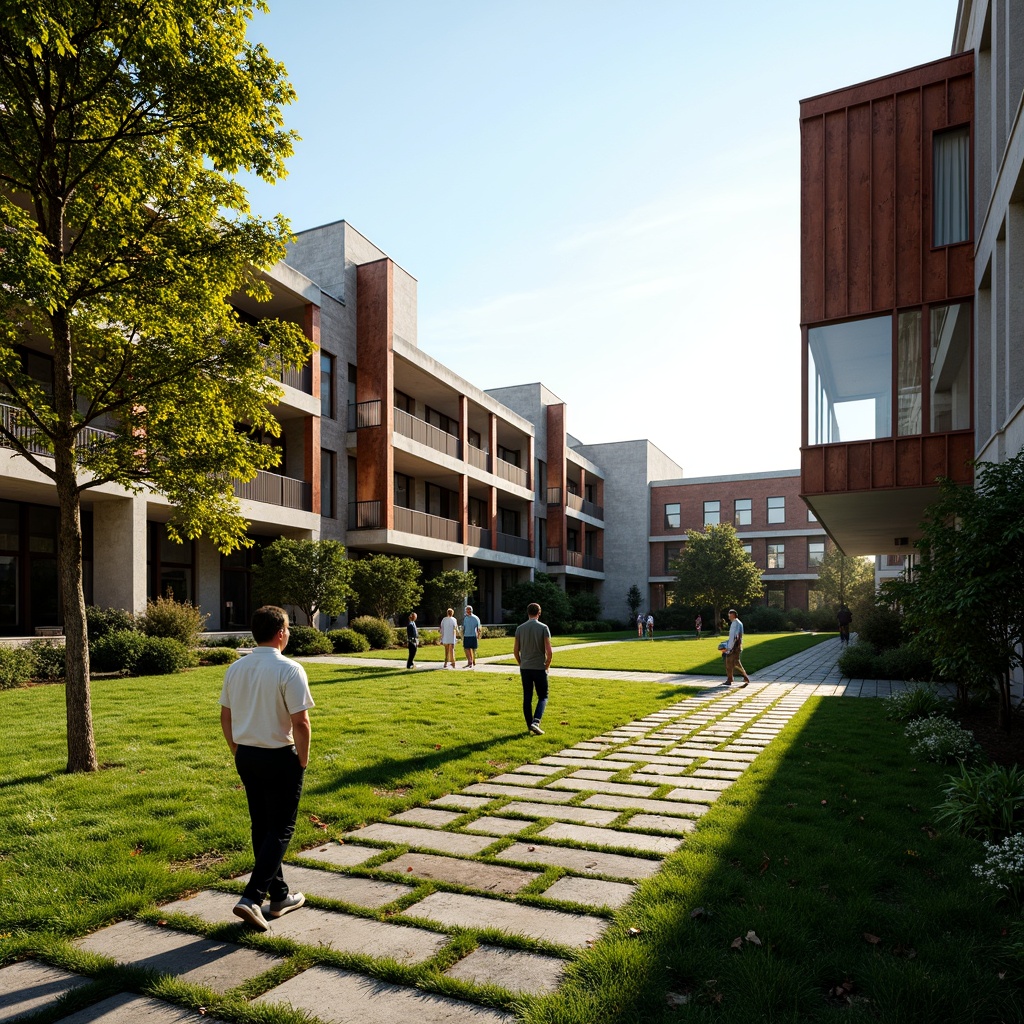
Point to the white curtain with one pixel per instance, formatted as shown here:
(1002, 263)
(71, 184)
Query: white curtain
(951, 195)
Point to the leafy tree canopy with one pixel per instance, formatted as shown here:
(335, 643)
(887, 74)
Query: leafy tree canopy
(633, 600)
(313, 575)
(385, 585)
(556, 609)
(448, 589)
(846, 579)
(713, 570)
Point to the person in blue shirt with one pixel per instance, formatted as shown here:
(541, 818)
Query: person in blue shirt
(470, 636)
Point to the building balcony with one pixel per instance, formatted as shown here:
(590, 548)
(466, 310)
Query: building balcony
(427, 434)
(478, 537)
(18, 422)
(366, 515)
(513, 545)
(274, 489)
(364, 414)
(575, 502)
(575, 560)
(507, 471)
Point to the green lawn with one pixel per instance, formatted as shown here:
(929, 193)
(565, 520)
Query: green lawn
(491, 648)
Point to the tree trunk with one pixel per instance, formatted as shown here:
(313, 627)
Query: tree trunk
(1005, 702)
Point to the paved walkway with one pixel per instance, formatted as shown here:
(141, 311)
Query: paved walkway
(488, 860)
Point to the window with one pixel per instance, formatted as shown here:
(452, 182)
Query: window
(748, 548)
(811, 517)
(908, 373)
(474, 439)
(776, 595)
(352, 378)
(776, 556)
(478, 513)
(672, 553)
(815, 552)
(508, 522)
(815, 599)
(442, 502)
(895, 560)
(673, 519)
(404, 402)
(327, 385)
(743, 511)
(951, 222)
(327, 488)
(776, 510)
(572, 540)
(712, 513)
(950, 380)
(509, 455)
(442, 421)
(403, 491)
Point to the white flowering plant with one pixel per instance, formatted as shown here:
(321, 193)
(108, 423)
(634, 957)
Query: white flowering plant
(1003, 866)
(917, 702)
(941, 740)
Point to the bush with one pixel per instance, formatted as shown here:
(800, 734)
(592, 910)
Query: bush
(760, 619)
(909, 705)
(381, 634)
(985, 802)
(593, 626)
(904, 662)
(306, 641)
(234, 642)
(217, 655)
(822, 620)
(16, 666)
(48, 658)
(428, 638)
(941, 740)
(858, 661)
(102, 621)
(797, 618)
(177, 619)
(118, 651)
(585, 606)
(1003, 866)
(162, 656)
(881, 627)
(347, 641)
(490, 632)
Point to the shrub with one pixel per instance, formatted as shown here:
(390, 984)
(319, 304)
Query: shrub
(858, 661)
(490, 632)
(49, 659)
(347, 641)
(904, 662)
(919, 702)
(306, 641)
(797, 618)
(381, 634)
(16, 666)
(585, 606)
(881, 627)
(761, 619)
(941, 740)
(1003, 866)
(822, 620)
(217, 655)
(162, 656)
(101, 621)
(118, 651)
(428, 638)
(227, 641)
(169, 618)
(594, 626)
(985, 802)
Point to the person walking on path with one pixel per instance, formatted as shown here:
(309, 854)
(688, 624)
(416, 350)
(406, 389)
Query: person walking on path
(844, 618)
(733, 648)
(264, 715)
(449, 633)
(470, 636)
(650, 626)
(412, 638)
(532, 651)
(640, 626)
(697, 624)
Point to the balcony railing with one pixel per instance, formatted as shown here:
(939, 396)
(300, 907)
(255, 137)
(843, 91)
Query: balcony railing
(301, 379)
(364, 414)
(478, 537)
(509, 472)
(513, 545)
(554, 556)
(19, 423)
(273, 489)
(555, 496)
(575, 502)
(592, 510)
(364, 515)
(593, 563)
(408, 520)
(426, 433)
(477, 457)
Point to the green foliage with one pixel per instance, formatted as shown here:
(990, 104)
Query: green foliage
(385, 585)
(1003, 869)
(166, 617)
(585, 606)
(556, 610)
(917, 702)
(217, 655)
(312, 575)
(380, 634)
(984, 801)
(714, 570)
(492, 632)
(633, 600)
(430, 638)
(881, 626)
(16, 666)
(448, 589)
(306, 641)
(858, 661)
(591, 626)
(48, 658)
(908, 661)
(941, 740)
(163, 655)
(762, 619)
(228, 641)
(846, 579)
(347, 641)
(117, 651)
(101, 621)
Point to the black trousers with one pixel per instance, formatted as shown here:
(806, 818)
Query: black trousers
(413, 646)
(272, 777)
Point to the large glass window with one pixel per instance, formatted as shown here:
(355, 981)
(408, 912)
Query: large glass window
(951, 167)
(908, 373)
(743, 511)
(776, 556)
(673, 519)
(326, 385)
(777, 510)
(712, 513)
(849, 375)
(815, 552)
(403, 491)
(328, 469)
(950, 330)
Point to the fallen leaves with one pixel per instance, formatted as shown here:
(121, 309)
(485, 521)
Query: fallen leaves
(873, 939)
(750, 937)
(674, 999)
(317, 823)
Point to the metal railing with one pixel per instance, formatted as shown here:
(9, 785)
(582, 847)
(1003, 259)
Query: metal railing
(554, 556)
(592, 510)
(513, 545)
(509, 472)
(478, 537)
(364, 414)
(477, 457)
(18, 422)
(426, 433)
(408, 520)
(364, 515)
(301, 379)
(274, 489)
(555, 496)
(593, 563)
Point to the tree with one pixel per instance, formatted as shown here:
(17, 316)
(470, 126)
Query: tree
(543, 590)
(713, 570)
(633, 601)
(448, 589)
(313, 575)
(385, 585)
(846, 579)
(125, 233)
(966, 596)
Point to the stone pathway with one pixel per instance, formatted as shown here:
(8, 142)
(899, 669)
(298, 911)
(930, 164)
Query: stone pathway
(487, 862)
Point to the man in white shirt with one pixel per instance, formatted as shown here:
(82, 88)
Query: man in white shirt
(733, 647)
(449, 634)
(264, 716)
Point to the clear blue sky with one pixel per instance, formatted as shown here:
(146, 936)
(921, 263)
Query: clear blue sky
(600, 195)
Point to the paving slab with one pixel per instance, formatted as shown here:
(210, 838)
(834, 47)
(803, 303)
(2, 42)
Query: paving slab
(593, 892)
(556, 762)
(126, 1008)
(341, 997)
(618, 788)
(30, 986)
(662, 823)
(669, 772)
(344, 855)
(623, 803)
(363, 892)
(514, 970)
(405, 943)
(208, 905)
(458, 801)
(542, 770)
(584, 862)
(490, 826)
(514, 779)
(609, 837)
(426, 838)
(702, 782)
(668, 760)
(590, 773)
(696, 796)
(432, 816)
(217, 965)
(457, 910)
(547, 796)
(583, 815)
(473, 874)
(731, 774)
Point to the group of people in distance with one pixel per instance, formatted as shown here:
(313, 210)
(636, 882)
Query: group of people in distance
(449, 630)
(645, 626)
